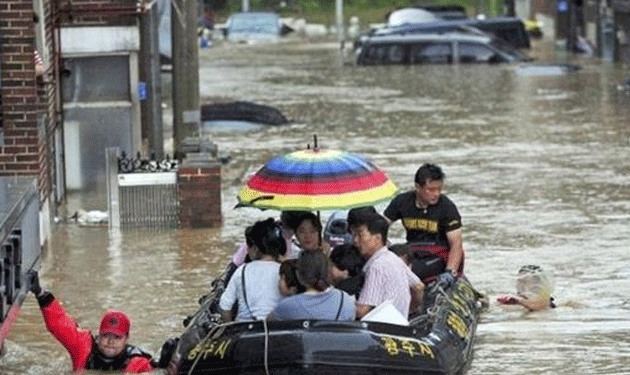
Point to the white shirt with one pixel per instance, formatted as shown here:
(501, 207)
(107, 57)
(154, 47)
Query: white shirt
(263, 294)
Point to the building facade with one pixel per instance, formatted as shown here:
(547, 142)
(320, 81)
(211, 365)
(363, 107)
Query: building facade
(39, 66)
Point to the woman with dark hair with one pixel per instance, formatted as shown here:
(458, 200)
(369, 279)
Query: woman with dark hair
(320, 300)
(287, 223)
(254, 285)
(308, 232)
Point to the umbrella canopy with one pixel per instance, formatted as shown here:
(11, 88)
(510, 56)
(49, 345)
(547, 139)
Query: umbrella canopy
(317, 180)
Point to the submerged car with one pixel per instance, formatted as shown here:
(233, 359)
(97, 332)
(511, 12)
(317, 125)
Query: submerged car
(255, 27)
(445, 48)
(510, 29)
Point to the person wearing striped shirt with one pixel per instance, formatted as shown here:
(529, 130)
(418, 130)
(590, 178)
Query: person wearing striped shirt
(387, 277)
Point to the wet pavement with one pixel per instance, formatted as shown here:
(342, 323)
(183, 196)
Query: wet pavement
(537, 164)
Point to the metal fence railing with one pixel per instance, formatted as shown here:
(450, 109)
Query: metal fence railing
(141, 193)
(20, 247)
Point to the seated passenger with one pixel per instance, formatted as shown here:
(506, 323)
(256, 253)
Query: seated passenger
(289, 284)
(347, 269)
(355, 213)
(287, 225)
(387, 277)
(320, 300)
(254, 285)
(308, 232)
(533, 290)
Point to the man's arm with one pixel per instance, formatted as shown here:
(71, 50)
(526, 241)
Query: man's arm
(417, 294)
(362, 310)
(531, 305)
(390, 212)
(456, 252)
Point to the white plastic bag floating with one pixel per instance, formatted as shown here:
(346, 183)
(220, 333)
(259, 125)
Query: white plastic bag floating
(386, 312)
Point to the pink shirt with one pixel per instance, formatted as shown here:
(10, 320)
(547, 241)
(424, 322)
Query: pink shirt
(387, 278)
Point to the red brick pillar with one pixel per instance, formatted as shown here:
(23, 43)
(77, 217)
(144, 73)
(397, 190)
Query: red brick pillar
(20, 152)
(199, 185)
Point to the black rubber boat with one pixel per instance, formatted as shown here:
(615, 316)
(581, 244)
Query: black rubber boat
(437, 341)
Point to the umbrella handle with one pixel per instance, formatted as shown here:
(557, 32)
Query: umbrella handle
(262, 197)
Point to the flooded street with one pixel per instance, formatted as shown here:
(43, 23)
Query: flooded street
(537, 164)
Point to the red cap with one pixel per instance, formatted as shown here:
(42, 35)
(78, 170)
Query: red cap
(115, 322)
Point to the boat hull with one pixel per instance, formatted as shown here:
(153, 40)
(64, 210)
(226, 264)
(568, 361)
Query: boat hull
(439, 341)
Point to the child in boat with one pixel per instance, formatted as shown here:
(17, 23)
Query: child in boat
(347, 269)
(533, 290)
(320, 300)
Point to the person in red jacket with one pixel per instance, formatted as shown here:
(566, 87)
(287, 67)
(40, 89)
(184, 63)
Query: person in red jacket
(108, 350)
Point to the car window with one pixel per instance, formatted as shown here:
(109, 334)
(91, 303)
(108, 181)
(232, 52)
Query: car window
(396, 54)
(507, 49)
(477, 53)
(431, 53)
(375, 53)
(385, 54)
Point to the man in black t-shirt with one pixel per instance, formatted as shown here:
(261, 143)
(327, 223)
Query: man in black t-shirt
(432, 222)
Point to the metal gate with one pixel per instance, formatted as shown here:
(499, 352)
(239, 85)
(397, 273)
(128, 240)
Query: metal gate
(140, 199)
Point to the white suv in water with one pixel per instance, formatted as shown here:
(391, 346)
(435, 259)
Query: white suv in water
(444, 48)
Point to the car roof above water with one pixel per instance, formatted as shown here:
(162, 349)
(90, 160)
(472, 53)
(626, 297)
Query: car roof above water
(413, 38)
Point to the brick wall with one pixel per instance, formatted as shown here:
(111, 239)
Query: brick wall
(21, 152)
(199, 195)
(29, 105)
(547, 7)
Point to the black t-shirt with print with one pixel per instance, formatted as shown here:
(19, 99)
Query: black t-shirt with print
(428, 225)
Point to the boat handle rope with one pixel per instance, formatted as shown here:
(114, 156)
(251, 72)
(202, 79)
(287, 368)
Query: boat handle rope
(214, 333)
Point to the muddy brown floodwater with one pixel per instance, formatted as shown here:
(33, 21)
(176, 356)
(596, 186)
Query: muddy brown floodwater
(537, 163)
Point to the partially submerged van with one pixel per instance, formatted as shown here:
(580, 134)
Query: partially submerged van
(510, 29)
(445, 48)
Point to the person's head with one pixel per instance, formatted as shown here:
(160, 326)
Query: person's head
(346, 261)
(309, 232)
(266, 236)
(533, 281)
(313, 270)
(403, 250)
(370, 233)
(289, 284)
(113, 333)
(355, 213)
(289, 220)
(428, 183)
(252, 249)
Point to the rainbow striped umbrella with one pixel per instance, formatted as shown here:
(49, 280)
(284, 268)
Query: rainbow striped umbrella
(317, 180)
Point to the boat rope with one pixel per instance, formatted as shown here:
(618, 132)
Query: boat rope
(214, 333)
